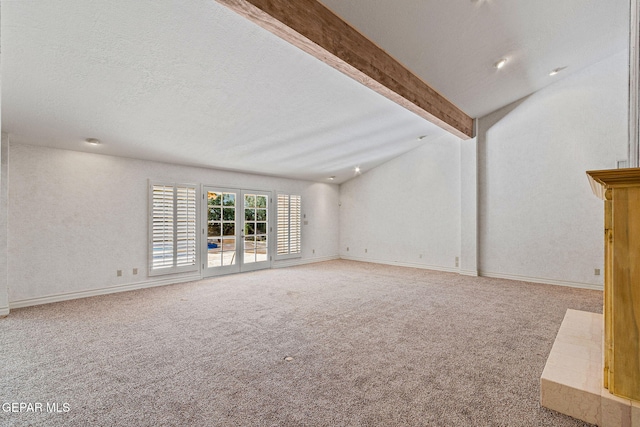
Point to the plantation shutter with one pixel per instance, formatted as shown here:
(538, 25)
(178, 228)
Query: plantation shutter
(283, 224)
(185, 226)
(294, 225)
(162, 227)
(288, 227)
(173, 237)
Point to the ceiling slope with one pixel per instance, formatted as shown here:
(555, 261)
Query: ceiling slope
(310, 26)
(189, 83)
(194, 83)
(454, 44)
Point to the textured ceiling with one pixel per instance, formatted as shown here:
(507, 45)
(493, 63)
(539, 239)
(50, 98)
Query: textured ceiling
(453, 44)
(190, 83)
(193, 83)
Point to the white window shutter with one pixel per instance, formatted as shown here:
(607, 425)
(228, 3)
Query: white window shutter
(162, 227)
(289, 242)
(294, 225)
(173, 236)
(185, 226)
(283, 224)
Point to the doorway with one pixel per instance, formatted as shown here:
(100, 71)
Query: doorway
(237, 230)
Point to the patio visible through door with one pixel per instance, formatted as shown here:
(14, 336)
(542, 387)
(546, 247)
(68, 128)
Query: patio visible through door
(237, 229)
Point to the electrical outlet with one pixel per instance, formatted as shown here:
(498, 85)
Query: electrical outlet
(119, 273)
(347, 248)
(457, 261)
(365, 251)
(313, 251)
(135, 271)
(596, 272)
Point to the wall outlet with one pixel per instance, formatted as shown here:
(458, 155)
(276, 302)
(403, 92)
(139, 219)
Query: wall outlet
(365, 251)
(457, 261)
(119, 273)
(347, 248)
(135, 271)
(596, 272)
(313, 251)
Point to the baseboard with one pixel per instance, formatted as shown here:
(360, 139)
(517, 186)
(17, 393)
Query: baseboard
(401, 264)
(541, 280)
(141, 285)
(103, 291)
(301, 261)
(4, 311)
(469, 272)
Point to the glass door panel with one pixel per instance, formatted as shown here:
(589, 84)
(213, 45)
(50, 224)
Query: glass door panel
(255, 251)
(221, 242)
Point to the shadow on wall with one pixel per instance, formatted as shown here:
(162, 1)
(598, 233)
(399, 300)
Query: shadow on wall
(484, 125)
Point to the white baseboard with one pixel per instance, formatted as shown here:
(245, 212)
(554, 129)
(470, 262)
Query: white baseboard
(141, 285)
(401, 264)
(102, 291)
(476, 273)
(469, 272)
(542, 280)
(4, 311)
(299, 261)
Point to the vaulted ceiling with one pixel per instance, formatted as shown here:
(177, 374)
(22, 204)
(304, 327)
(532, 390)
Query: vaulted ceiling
(194, 83)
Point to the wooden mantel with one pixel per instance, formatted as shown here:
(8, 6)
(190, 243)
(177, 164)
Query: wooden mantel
(620, 190)
(310, 26)
(605, 179)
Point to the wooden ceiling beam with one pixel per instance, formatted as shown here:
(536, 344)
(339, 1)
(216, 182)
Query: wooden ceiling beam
(312, 27)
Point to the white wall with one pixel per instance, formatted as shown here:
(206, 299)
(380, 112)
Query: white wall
(4, 284)
(405, 208)
(4, 186)
(76, 218)
(469, 207)
(537, 216)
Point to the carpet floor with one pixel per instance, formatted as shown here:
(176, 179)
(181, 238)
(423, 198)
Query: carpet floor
(337, 343)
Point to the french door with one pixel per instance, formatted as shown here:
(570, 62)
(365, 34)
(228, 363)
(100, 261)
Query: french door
(237, 230)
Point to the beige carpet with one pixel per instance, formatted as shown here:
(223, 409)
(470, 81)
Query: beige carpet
(372, 345)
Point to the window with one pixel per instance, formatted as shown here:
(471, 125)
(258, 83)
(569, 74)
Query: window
(288, 239)
(172, 234)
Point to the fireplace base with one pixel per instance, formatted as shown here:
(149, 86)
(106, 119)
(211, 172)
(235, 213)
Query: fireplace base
(571, 381)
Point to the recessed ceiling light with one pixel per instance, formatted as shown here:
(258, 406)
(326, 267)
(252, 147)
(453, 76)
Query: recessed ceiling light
(93, 141)
(500, 63)
(331, 178)
(357, 169)
(556, 71)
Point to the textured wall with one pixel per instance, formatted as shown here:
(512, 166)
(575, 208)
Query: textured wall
(4, 186)
(537, 216)
(405, 208)
(469, 207)
(75, 218)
